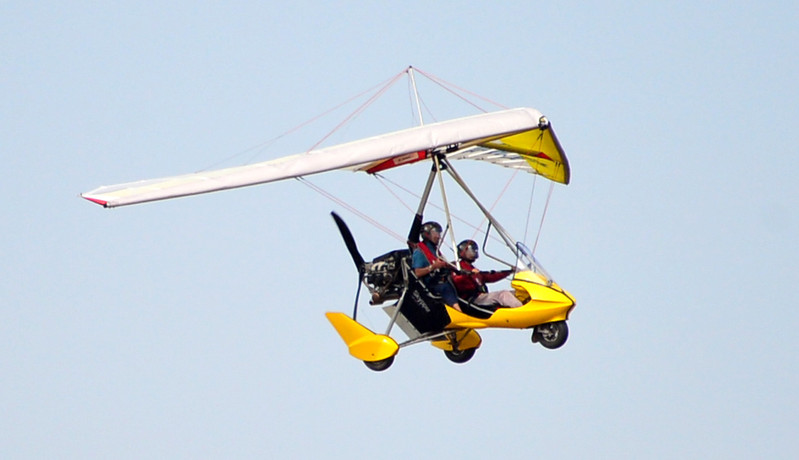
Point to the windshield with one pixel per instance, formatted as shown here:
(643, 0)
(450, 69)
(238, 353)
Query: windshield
(526, 261)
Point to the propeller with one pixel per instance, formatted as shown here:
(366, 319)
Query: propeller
(349, 240)
(360, 264)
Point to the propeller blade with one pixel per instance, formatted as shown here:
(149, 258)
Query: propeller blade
(349, 240)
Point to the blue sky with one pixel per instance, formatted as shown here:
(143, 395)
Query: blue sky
(195, 327)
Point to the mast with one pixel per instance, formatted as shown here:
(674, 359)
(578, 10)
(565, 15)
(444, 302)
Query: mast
(416, 95)
(416, 226)
(435, 173)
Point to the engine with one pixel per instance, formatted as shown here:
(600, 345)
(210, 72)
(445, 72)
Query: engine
(384, 277)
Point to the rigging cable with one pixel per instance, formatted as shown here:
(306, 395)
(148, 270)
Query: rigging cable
(543, 215)
(266, 144)
(530, 207)
(349, 207)
(414, 92)
(352, 115)
(546, 203)
(496, 201)
(431, 203)
(383, 183)
(359, 110)
(448, 87)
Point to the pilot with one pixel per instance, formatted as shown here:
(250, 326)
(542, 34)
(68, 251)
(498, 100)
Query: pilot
(471, 282)
(429, 267)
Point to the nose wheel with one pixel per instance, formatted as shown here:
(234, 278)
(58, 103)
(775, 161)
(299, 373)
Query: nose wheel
(551, 335)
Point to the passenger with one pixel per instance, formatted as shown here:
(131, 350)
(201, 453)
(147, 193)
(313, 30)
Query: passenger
(471, 282)
(431, 269)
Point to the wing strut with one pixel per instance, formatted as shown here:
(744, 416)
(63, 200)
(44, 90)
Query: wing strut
(501, 230)
(438, 160)
(441, 163)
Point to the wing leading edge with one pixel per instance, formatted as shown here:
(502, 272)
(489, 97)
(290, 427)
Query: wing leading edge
(520, 138)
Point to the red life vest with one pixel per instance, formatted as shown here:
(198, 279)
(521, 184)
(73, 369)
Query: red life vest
(427, 253)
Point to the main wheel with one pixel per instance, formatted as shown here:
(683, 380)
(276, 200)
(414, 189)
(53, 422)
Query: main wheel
(381, 365)
(460, 356)
(551, 335)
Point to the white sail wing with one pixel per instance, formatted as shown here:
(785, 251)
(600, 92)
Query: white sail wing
(483, 130)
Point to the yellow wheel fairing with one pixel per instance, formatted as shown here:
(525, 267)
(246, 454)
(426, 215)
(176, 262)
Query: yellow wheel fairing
(362, 343)
(466, 339)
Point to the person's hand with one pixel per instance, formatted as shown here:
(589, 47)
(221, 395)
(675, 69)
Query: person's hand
(438, 263)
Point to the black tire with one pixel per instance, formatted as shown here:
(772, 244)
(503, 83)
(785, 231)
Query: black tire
(460, 356)
(551, 335)
(381, 365)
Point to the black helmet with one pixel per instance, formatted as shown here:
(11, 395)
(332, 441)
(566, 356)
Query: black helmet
(428, 227)
(467, 250)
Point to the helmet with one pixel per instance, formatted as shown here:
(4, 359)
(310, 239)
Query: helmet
(428, 227)
(467, 250)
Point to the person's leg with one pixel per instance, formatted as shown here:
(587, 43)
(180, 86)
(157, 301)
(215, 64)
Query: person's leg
(501, 298)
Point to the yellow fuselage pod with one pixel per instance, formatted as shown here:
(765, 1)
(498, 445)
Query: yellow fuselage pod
(544, 303)
(362, 343)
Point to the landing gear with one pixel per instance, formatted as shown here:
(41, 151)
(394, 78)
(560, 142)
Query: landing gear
(551, 335)
(460, 356)
(381, 365)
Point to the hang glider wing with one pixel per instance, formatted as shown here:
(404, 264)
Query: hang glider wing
(518, 138)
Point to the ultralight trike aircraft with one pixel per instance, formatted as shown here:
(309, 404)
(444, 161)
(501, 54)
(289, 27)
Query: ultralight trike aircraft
(520, 138)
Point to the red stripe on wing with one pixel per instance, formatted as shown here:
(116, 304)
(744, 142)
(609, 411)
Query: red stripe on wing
(398, 161)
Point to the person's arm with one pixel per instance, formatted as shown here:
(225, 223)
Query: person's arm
(424, 271)
(492, 276)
